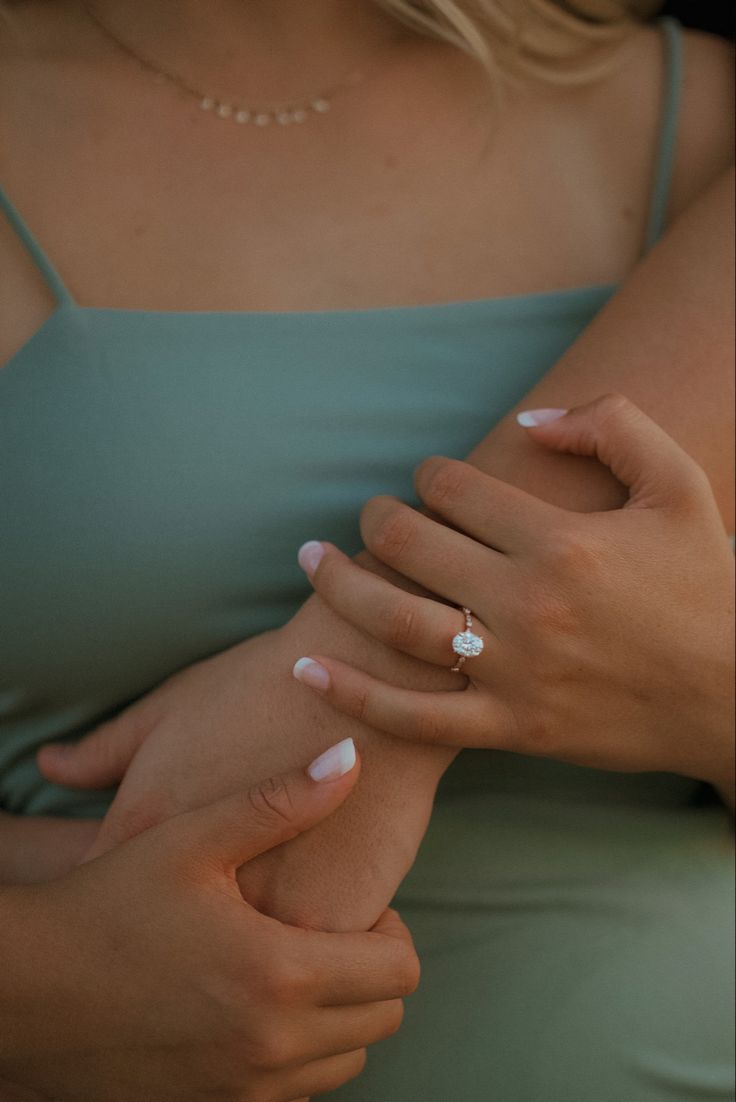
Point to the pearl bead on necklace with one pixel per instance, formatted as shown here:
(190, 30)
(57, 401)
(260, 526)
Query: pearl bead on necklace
(284, 115)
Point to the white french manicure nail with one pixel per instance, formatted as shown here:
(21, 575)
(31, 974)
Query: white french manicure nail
(311, 673)
(531, 417)
(309, 556)
(334, 763)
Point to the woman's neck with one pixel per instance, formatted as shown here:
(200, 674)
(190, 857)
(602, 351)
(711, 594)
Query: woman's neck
(266, 49)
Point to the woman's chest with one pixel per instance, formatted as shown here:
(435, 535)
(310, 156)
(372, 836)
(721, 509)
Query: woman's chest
(161, 470)
(423, 194)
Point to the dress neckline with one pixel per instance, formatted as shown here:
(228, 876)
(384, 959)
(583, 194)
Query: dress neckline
(69, 307)
(351, 311)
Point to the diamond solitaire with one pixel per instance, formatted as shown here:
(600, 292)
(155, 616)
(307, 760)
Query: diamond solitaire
(466, 644)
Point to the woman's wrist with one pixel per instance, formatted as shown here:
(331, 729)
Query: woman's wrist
(24, 956)
(345, 871)
(34, 849)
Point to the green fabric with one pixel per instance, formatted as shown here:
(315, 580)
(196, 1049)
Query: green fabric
(667, 143)
(158, 472)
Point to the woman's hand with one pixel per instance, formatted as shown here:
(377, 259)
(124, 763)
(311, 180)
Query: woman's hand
(239, 717)
(34, 848)
(666, 339)
(607, 636)
(145, 974)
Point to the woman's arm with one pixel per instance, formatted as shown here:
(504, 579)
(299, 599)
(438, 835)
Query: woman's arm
(38, 848)
(550, 676)
(664, 342)
(144, 973)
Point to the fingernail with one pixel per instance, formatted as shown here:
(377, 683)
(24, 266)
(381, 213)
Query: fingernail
(334, 763)
(312, 674)
(310, 555)
(531, 417)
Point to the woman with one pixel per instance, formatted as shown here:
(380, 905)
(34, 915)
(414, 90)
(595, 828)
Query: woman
(440, 87)
(261, 1010)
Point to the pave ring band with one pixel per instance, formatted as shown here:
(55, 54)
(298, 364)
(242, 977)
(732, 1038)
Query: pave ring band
(466, 644)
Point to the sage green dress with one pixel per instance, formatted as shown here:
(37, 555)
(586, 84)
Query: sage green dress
(158, 471)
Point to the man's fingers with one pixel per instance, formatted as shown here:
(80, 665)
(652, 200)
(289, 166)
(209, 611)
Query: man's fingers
(641, 455)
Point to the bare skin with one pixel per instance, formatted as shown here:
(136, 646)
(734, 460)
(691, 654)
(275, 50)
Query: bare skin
(545, 624)
(396, 177)
(262, 1010)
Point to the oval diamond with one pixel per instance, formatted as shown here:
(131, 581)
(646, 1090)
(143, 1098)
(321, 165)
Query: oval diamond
(467, 644)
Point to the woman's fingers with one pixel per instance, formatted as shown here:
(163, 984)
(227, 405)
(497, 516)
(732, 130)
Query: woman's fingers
(102, 757)
(436, 557)
(414, 625)
(239, 827)
(491, 511)
(321, 1076)
(331, 1031)
(639, 453)
(445, 719)
(355, 969)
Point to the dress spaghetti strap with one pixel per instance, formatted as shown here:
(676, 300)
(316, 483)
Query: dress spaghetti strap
(42, 262)
(667, 138)
(664, 161)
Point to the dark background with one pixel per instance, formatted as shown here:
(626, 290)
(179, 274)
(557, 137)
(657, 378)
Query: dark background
(715, 17)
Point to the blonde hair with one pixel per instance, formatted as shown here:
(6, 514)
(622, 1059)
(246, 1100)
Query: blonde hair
(555, 41)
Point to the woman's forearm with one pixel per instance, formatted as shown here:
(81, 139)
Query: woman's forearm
(38, 848)
(664, 341)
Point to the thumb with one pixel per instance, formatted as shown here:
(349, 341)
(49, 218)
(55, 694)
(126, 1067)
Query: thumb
(100, 758)
(641, 455)
(238, 828)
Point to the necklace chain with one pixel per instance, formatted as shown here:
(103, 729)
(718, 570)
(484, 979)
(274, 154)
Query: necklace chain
(230, 109)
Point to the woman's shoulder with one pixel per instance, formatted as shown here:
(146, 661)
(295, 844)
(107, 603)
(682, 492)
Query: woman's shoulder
(631, 102)
(706, 125)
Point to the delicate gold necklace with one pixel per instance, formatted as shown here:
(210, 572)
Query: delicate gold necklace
(228, 109)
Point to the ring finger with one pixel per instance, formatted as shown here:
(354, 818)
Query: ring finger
(415, 625)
